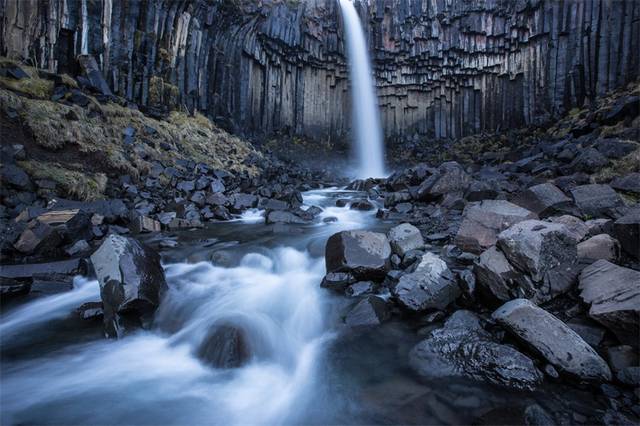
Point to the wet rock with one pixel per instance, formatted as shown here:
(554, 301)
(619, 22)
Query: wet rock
(78, 247)
(240, 202)
(131, 280)
(337, 280)
(461, 348)
(553, 339)
(225, 347)
(596, 200)
(430, 286)
(359, 288)
(535, 415)
(495, 274)
(272, 204)
(10, 288)
(483, 221)
(600, 246)
(449, 178)
(627, 231)
(370, 311)
(90, 311)
(405, 237)
(537, 247)
(64, 267)
(365, 254)
(577, 228)
(614, 295)
(177, 223)
(279, 216)
(363, 205)
(544, 200)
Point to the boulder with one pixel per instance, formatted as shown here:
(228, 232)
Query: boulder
(627, 231)
(363, 205)
(141, 224)
(482, 222)
(280, 216)
(240, 202)
(177, 223)
(614, 295)
(589, 160)
(226, 346)
(597, 200)
(430, 286)
(552, 339)
(544, 199)
(628, 184)
(337, 280)
(405, 237)
(576, 227)
(495, 274)
(600, 246)
(371, 310)
(360, 288)
(615, 148)
(462, 348)
(14, 176)
(365, 254)
(131, 278)
(38, 237)
(450, 177)
(538, 248)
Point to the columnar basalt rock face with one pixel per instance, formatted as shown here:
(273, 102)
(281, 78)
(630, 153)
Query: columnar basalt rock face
(443, 68)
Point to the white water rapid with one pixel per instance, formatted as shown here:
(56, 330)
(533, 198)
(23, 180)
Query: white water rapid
(366, 117)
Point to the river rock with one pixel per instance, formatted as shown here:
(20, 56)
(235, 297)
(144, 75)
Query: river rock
(544, 199)
(141, 224)
(405, 237)
(614, 295)
(495, 273)
(483, 221)
(430, 286)
(553, 339)
(280, 216)
(371, 310)
(627, 231)
(225, 347)
(600, 246)
(538, 247)
(365, 254)
(38, 237)
(462, 348)
(131, 278)
(337, 280)
(597, 200)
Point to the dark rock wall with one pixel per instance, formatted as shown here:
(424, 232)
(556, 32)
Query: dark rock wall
(444, 68)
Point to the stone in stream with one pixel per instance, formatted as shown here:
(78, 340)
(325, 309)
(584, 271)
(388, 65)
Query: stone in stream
(600, 246)
(544, 199)
(280, 216)
(430, 286)
(240, 202)
(365, 254)
(627, 231)
(337, 280)
(553, 339)
(614, 295)
(483, 221)
(371, 310)
(462, 348)
(405, 237)
(225, 347)
(131, 278)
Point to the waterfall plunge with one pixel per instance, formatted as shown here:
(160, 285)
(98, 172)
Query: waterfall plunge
(366, 117)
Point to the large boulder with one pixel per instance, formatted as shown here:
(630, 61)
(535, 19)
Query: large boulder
(370, 311)
(614, 295)
(627, 231)
(462, 348)
(363, 253)
(552, 339)
(537, 247)
(544, 199)
(38, 237)
(495, 274)
(450, 177)
(483, 221)
(404, 238)
(131, 278)
(597, 200)
(430, 286)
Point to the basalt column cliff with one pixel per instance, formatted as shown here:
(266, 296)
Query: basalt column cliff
(443, 68)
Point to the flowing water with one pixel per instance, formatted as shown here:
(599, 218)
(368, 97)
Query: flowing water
(306, 367)
(366, 116)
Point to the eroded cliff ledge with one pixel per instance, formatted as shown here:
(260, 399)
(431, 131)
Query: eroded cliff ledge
(444, 68)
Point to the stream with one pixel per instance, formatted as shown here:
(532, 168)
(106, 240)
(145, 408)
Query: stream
(306, 366)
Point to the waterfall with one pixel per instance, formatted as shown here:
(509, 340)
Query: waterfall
(366, 117)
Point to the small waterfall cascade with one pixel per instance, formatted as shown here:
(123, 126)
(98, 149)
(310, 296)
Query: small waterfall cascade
(366, 116)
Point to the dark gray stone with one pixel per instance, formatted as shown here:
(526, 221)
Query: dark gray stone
(363, 253)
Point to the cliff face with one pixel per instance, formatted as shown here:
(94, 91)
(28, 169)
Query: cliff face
(443, 68)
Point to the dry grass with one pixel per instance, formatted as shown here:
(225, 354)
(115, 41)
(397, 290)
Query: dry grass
(621, 167)
(73, 183)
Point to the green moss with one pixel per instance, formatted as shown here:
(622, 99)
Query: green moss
(620, 167)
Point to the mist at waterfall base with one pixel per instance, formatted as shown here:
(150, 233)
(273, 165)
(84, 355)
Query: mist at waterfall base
(366, 126)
